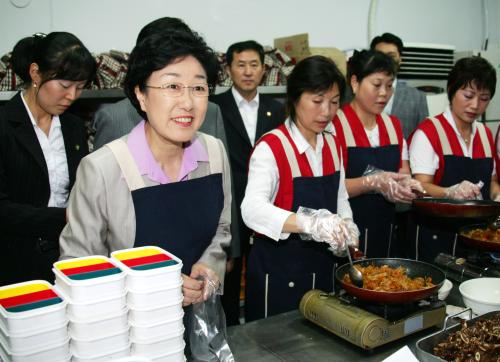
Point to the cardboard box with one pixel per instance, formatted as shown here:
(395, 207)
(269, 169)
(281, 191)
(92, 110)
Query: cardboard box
(334, 54)
(295, 46)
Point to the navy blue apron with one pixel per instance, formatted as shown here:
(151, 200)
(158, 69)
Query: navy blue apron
(372, 212)
(432, 241)
(181, 217)
(287, 269)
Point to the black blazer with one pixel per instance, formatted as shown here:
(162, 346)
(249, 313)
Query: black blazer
(29, 230)
(271, 114)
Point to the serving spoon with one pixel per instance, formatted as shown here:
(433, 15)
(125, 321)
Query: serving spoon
(354, 274)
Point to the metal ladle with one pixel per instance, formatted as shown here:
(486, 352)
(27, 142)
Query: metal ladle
(354, 274)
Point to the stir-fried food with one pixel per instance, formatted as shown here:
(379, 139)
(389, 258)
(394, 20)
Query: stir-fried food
(479, 342)
(488, 234)
(387, 279)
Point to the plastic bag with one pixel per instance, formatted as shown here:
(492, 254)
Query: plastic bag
(207, 336)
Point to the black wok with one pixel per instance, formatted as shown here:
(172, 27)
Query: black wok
(414, 269)
(486, 245)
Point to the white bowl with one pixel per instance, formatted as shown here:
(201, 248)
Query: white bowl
(482, 295)
(445, 289)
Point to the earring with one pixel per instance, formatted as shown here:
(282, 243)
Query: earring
(34, 84)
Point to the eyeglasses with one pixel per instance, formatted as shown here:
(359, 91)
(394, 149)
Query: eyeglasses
(177, 89)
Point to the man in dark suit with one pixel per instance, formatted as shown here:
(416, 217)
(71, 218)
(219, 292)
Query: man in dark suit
(407, 103)
(247, 116)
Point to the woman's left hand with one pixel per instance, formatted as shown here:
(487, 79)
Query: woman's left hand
(209, 278)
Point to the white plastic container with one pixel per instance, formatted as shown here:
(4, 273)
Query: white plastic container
(93, 289)
(159, 314)
(145, 280)
(102, 307)
(89, 348)
(55, 353)
(107, 357)
(158, 346)
(94, 328)
(153, 331)
(176, 355)
(154, 297)
(38, 318)
(20, 343)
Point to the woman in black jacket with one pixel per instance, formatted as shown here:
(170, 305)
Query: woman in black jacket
(40, 148)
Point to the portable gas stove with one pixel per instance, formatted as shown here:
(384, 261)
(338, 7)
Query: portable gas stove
(370, 325)
(475, 264)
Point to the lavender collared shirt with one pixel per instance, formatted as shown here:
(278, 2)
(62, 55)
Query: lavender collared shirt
(194, 152)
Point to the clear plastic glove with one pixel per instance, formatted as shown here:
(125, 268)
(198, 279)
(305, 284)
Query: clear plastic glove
(200, 284)
(352, 241)
(497, 198)
(465, 190)
(321, 225)
(393, 186)
(412, 184)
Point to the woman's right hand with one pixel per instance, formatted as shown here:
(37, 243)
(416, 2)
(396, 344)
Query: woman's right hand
(192, 290)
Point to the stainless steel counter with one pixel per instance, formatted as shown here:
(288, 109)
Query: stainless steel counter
(290, 337)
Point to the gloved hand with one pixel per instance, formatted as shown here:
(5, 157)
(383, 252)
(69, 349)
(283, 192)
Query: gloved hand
(465, 190)
(412, 184)
(497, 198)
(353, 240)
(389, 185)
(210, 279)
(322, 225)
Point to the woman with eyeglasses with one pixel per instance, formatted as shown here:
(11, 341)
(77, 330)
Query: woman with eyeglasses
(453, 154)
(41, 146)
(164, 183)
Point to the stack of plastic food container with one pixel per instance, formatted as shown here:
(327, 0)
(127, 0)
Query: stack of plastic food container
(33, 323)
(154, 298)
(94, 287)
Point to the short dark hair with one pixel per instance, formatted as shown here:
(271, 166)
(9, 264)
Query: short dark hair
(366, 62)
(387, 38)
(472, 70)
(159, 50)
(312, 74)
(161, 25)
(241, 47)
(59, 55)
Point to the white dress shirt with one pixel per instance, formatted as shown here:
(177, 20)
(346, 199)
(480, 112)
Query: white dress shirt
(374, 139)
(55, 158)
(248, 111)
(258, 210)
(424, 160)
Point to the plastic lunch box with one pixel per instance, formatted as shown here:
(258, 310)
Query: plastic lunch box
(28, 307)
(54, 353)
(85, 329)
(158, 314)
(149, 267)
(154, 297)
(176, 355)
(101, 307)
(152, 331)
(115, 355)
(158, 346)
(87, 348)
(89, 279)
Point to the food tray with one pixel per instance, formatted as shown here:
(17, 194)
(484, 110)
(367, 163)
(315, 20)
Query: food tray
(154, 297)
(54, 353)
(25, 342)
(159, 314)
(31, 306)
(176, 355)
(102, 307)
(89, 279)
(158, 346)
(149, 267)
(88, 348)
(107, 357)
(99, 327)
(426, 345)
(152, 331)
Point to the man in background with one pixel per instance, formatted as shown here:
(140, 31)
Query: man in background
(247, 115)
(116, 120)
(408, 104)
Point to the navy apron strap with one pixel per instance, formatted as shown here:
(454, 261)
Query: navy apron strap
(127, 164)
